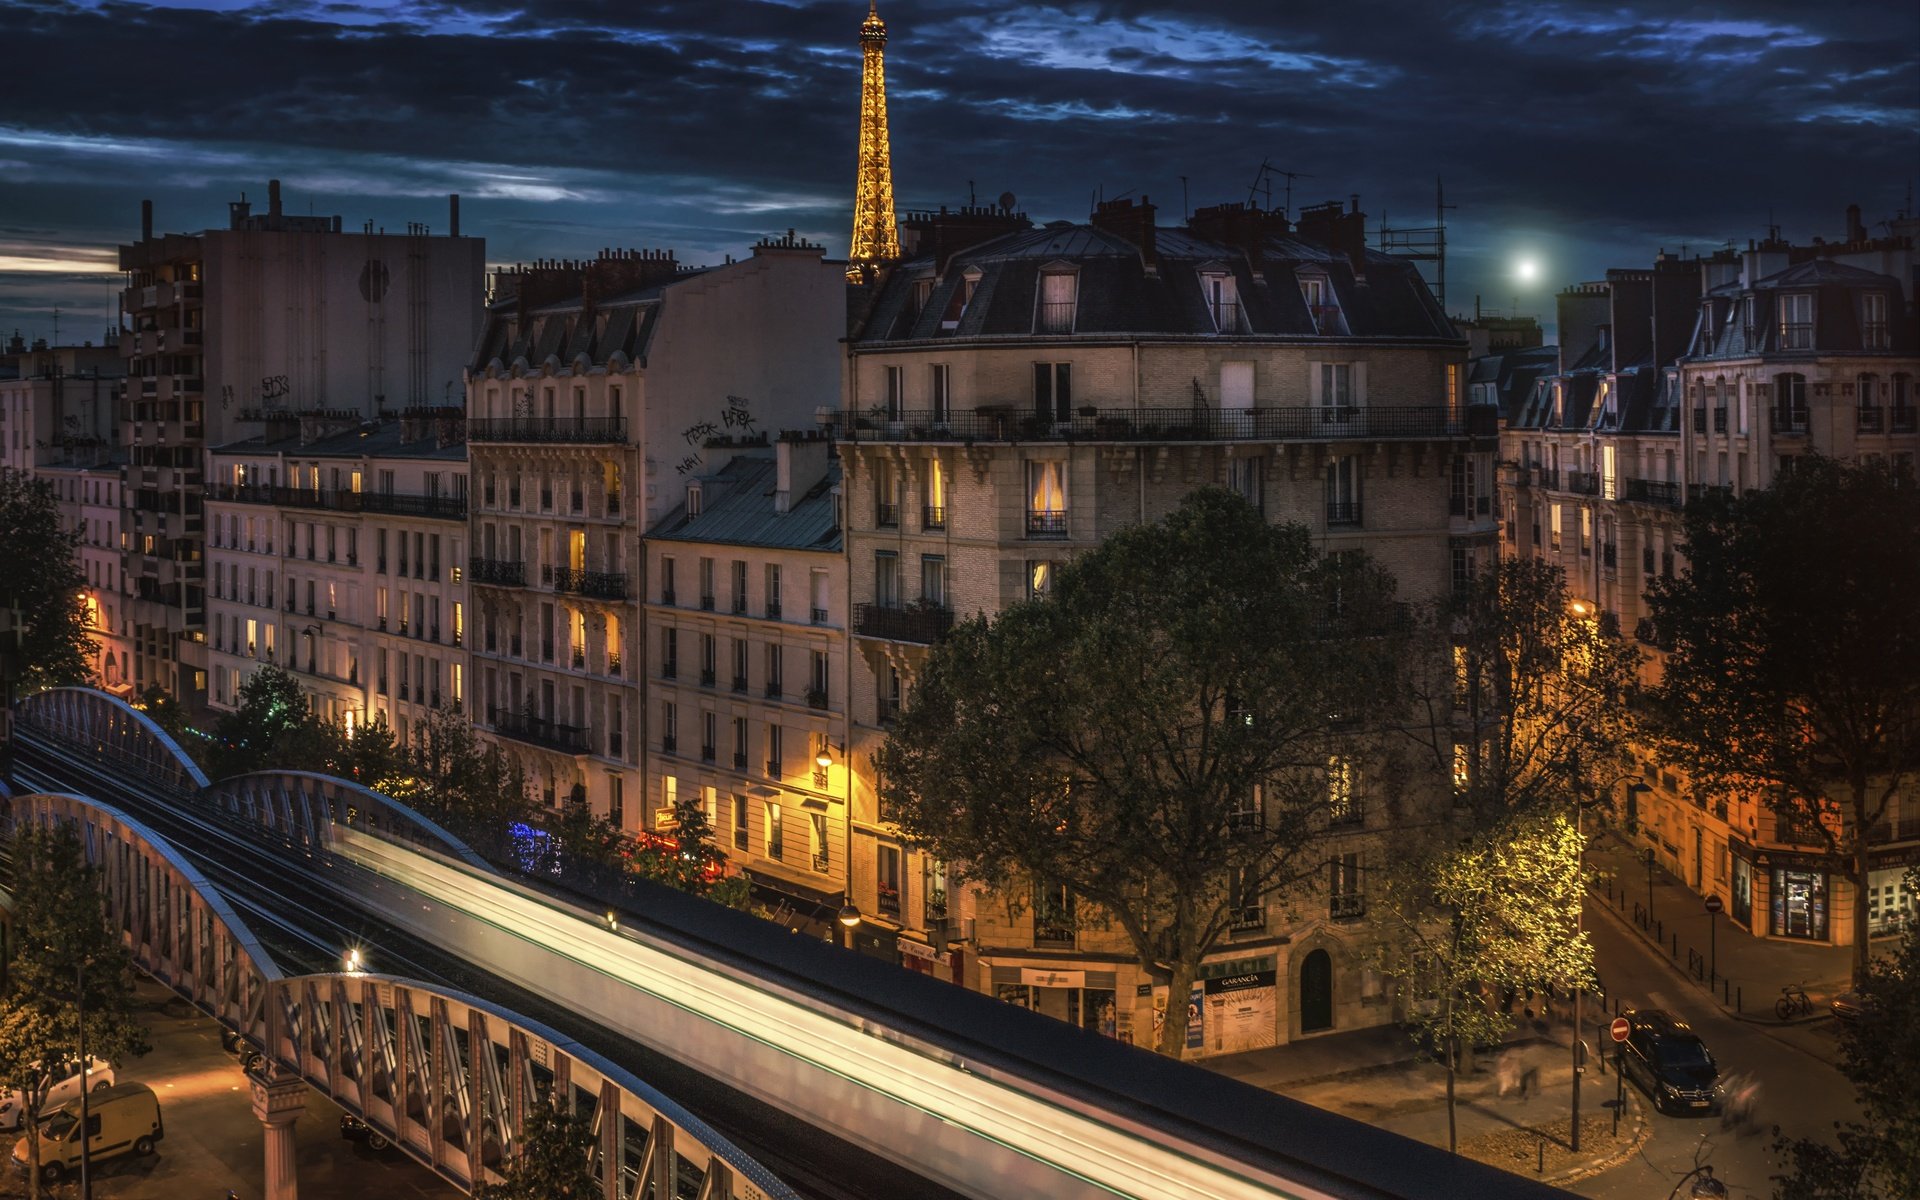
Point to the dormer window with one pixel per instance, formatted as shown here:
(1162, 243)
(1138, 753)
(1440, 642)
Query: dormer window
(693, 500)
(1796, 321)
(1315, 290)
(1873, 321)
(1222, 295)
(1059, 293)
(922, 292)
(962, 299)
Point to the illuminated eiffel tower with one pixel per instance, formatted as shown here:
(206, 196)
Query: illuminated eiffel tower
(876, 235)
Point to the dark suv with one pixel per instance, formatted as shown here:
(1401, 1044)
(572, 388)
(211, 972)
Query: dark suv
(1669, 1061)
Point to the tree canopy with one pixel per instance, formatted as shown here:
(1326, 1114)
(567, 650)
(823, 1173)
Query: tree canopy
(1795, 669)
(1154, 735)
(551, 1159)
(64, 951)
(46, 586)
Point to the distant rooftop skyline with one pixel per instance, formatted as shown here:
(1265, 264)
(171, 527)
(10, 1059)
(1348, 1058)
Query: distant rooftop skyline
(1576, 135)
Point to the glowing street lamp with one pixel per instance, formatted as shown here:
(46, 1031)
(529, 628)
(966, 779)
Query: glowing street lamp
(354, 961)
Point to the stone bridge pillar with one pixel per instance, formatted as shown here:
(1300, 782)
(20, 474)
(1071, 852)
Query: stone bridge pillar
(278, 1100)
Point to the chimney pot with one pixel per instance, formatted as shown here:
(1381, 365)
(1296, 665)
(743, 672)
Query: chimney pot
(273, 197)
(453, 214)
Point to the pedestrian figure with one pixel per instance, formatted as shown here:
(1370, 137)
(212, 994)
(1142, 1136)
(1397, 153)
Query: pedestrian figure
(1740, 1093)
(1506, 1072)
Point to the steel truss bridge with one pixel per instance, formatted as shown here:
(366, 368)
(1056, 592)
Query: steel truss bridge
(716, 1055)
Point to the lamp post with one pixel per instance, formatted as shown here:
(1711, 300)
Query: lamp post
(849, 914)
(1648, 859)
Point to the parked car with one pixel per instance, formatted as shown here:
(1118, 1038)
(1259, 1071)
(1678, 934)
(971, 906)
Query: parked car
(122, 1119)
(354, 1129)
(1667, 1060)
(99, 1075)
(1855, 1006)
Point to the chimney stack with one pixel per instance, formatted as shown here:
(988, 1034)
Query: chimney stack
(1134, 222)
(273, 198)
(453, 214)
(146, 220)
(1856, 229)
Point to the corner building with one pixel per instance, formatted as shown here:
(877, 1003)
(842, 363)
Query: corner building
(1014, 395)
(1717, 374)
(591, 398)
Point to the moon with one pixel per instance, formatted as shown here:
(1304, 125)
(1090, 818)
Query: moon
(1526, 270)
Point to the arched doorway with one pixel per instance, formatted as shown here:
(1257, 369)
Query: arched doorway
(1316, 992)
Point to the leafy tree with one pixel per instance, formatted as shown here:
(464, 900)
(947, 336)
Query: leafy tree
(551, 1160)
(1525, 697)
(274, 728)
(1153, 736)
(1795, 670)
(45, 587)
(171, 716)
(588, 842)
(693, 861)
(1877, 1158)
(1497, 913)
(473, 789)
(64, 951)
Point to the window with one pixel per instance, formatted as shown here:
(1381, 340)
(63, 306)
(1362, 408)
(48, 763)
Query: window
(776, 843)
(1343, 490)
(739, 586)
(896, 393)
(1248, 812)
(1053, 391)
(1053, 915)
(935, 516)
(886, 579)
(1047, 499)
(709, 659)
(1246, 476)
(706, 584)
(1057, 295)
(669, 728)
(1873, 321)
(1337, 392)
(1553, 526)
(1223, 302)
(886, 495)
(933, 580)
(739, 822)
(817, 679)
(776, 759)
(1790, 403)
(1245, 911)
(1796, 321)
(817, 594)
(1343, 804)
(818, 822)
(1313, 289)
(740, 743)
(739, 664)
(694, 500)
(774, 662)
(1039, 577)
(669, 653)
(888, 704)
(937, 391)
(886, 879)
(772, 598)
(666, 580)
(1348, 901)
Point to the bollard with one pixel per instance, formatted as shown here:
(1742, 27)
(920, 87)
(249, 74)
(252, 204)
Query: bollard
(1676, 945)
(1540, 1163)
(1737, 1007)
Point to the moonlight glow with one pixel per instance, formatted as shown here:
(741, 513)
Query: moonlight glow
(1526, 270)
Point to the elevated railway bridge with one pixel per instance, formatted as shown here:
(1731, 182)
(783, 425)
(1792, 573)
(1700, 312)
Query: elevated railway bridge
(716, 1055)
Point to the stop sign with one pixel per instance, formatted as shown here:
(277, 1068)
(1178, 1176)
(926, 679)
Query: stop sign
(1715, 904)
(1620, 1028)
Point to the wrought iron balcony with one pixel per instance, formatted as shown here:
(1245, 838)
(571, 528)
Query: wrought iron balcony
(596, 430)
(524, 727)
(933, 516)
(1017, 423)
(602, 585)
(497, 572)
(1649, 491)
(1790, 421)
(922, 623)
(1583, 483)
(1347, 906)
(1343, 512)
(1046, 524)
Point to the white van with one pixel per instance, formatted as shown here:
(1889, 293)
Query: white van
(99, 1075)
(123, 1119)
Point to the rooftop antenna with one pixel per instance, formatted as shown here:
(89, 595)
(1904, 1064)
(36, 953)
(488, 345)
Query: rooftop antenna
(1184, 207)
(1263, 181)
(56, 325)
(971, 202)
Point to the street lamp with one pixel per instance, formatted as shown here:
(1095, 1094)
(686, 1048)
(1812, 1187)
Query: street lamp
(849, 914)
(354, 961)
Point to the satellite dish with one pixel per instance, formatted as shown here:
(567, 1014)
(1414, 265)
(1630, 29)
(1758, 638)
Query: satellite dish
(1006, 201)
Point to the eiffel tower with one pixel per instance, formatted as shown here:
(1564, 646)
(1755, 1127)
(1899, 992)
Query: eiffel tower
(876, 235)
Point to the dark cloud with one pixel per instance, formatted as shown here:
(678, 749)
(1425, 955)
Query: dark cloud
(1588, 134)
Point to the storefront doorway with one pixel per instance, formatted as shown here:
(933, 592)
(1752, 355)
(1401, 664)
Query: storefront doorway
(1316, 992)
(1799, 904)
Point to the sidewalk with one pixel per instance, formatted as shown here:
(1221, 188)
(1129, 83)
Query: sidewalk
(1743, 972)
(1377, 1076)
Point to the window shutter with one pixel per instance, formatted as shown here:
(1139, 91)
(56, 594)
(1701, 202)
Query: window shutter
(1359, 385)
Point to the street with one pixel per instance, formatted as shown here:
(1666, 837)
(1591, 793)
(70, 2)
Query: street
(1800, 1089)
(214, 1142)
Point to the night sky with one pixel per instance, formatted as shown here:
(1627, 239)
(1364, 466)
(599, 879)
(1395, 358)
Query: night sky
(1579, 135)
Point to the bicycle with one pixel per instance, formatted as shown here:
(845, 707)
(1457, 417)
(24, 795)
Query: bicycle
(1793, 1002)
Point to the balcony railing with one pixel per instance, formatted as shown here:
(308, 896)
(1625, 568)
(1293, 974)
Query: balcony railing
(924, 624)
(1649, 491)
(1583, 483)
(449, 507)
(1247, 918)
(452, 508)
(497, 572)
(1720, 420)
(1901, 420)
(1871, 419)
(1347, 906)
(1547, 477)
(1046, 524)
(1343, 512)
(603, 585)
(1013, 423)
(547, 429)
(933, 516)
(1790, 420)
(524, 727)
(816, 697)
(886, 516)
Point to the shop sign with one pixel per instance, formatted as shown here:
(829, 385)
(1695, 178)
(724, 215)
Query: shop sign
(1042, 977)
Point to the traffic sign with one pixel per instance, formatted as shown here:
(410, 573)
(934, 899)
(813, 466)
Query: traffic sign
(1620, 1028)
(1715, 904)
